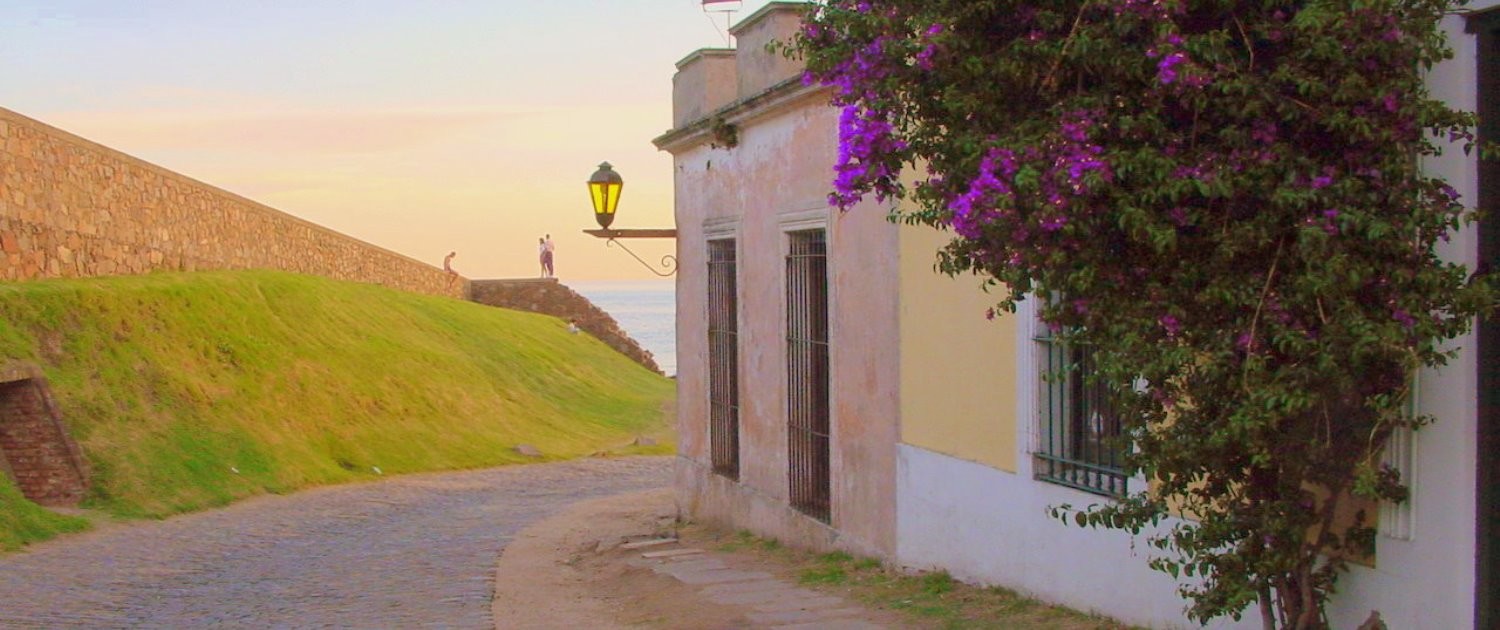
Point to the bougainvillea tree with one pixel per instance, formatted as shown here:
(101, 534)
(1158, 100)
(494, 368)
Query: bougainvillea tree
(1226, 200)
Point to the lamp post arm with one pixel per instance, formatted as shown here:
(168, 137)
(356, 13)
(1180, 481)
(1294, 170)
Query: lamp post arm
(668, 262)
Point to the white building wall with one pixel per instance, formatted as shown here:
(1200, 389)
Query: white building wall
(1428, 581)
(992, 527)
(989, 526)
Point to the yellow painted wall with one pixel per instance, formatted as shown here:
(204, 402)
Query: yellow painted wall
(958, 369)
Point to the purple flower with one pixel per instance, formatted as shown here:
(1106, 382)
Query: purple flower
(865, 139)
(1165, 69)
(1263, 131)
(1170, 324)
(1392, 102)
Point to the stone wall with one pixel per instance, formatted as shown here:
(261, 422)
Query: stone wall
(549, 297)
(35, 449)
(73, 208)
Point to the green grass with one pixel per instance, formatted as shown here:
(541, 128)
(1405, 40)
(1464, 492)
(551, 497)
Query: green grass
(939, 600)
(187, 391)
(23, 522)
(932, 599)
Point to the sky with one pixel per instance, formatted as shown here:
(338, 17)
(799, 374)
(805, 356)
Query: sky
(422, 127)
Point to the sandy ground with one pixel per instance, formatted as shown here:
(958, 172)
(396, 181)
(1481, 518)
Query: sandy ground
(541, 580)
(570, 571)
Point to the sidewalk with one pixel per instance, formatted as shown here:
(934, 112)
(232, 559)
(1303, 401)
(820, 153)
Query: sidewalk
(615, 563)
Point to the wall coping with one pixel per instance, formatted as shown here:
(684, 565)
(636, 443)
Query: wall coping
(514, 281)
(768, 9)
(705, 52)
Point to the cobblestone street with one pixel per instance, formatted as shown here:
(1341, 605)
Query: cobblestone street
(414, 551)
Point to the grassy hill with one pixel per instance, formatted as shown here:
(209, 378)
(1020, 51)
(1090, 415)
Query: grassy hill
(193, 390)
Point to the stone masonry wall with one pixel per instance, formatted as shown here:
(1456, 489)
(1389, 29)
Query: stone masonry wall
(36, 450)
(73, 208)
(549, 297)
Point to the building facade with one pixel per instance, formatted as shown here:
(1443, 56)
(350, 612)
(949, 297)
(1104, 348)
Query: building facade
(835, 392)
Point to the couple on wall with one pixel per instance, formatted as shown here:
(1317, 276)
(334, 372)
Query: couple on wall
(544, 252)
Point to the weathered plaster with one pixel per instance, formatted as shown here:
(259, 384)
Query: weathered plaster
(775, 180)
(704, 82)
(758, 68)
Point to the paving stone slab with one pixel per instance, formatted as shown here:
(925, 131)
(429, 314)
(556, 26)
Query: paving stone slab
(838, 624)
(697, 564)
(760, 597)
(811, 602)
(801, 616)
(716, 576)
(642, 544)
(767, 584)
(657, 555)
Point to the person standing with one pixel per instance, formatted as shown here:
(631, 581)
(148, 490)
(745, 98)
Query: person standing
(448, 267)
(541, 255)
(547, 256)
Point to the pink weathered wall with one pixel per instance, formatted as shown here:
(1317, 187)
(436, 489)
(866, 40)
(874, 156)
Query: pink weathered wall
(775, 180)
(73, 208)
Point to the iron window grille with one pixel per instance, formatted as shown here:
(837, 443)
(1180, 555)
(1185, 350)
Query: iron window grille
(1401, 455)
(808, 456)
(723, 359)
(1079, 442)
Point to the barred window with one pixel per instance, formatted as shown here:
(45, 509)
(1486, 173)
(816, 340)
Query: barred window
(723, 359)
(808, 460)
(1079, 430)
(1400, 455)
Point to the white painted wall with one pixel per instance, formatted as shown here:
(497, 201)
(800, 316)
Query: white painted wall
(1428, 581)
(990, 526)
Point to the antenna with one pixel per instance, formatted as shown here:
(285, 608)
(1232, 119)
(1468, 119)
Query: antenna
(728, 8)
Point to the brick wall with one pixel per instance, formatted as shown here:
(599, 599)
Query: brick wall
(37, 451)
(549, 297)
(73, 208)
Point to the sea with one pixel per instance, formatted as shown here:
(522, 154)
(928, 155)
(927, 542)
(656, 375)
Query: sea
(645, 309)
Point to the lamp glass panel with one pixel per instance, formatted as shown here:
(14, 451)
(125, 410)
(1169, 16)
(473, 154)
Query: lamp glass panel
(601, 205)
(613, 196)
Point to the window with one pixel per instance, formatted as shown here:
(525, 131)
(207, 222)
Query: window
(808, 458)
(1078, 441)
(1400, 455)
(723, 359)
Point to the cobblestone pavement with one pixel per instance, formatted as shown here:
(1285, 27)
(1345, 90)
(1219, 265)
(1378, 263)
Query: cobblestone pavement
(411, 552)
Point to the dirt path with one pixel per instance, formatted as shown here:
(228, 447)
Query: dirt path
(414, 551)
(578, 569)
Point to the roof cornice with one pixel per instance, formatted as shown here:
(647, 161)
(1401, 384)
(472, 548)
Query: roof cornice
(777, 98)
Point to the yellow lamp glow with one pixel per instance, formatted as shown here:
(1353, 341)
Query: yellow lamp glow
(604, 189)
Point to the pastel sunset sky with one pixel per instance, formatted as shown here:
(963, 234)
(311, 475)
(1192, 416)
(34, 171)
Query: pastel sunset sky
(422, 127)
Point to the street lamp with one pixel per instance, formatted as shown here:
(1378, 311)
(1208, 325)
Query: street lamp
(604, 192)
(604, 189)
